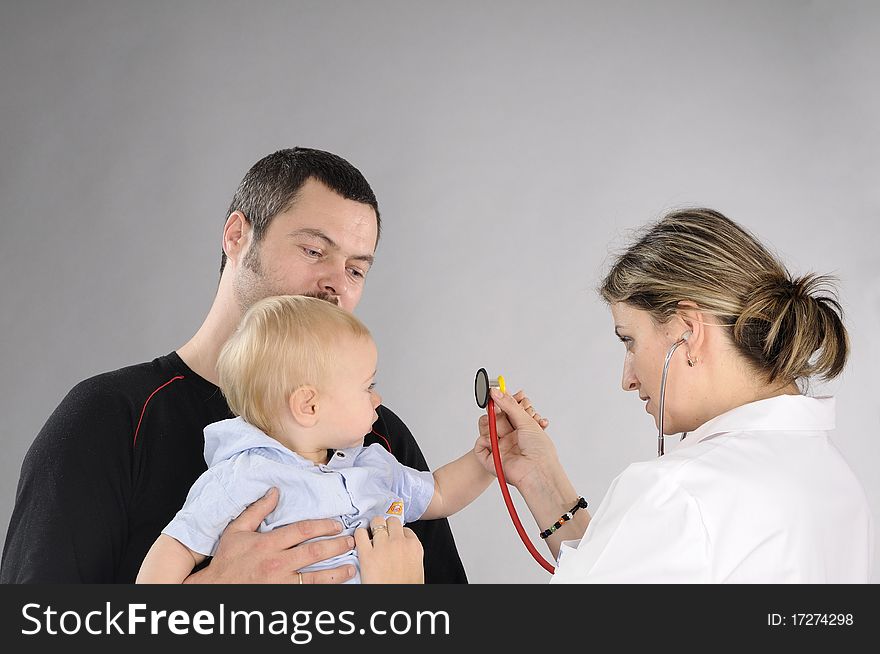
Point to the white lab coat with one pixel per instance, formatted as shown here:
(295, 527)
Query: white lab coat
(759, 494)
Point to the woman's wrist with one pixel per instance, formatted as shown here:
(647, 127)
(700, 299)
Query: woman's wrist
(548, 482)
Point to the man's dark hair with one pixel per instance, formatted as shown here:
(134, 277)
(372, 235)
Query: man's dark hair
(271, 185)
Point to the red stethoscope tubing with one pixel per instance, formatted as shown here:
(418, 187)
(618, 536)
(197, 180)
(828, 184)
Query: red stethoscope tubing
(496, 457)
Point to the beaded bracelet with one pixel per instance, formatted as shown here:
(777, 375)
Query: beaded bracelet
(565, 517)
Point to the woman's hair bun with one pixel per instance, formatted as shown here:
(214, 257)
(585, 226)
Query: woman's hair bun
(793, 327)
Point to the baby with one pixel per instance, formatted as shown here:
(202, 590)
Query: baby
(299, 372)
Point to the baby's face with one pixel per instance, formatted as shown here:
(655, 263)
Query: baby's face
(348, 399)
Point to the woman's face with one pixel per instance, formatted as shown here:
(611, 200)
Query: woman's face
(646, 345)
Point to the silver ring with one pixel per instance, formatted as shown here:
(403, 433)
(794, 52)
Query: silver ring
(379, 528)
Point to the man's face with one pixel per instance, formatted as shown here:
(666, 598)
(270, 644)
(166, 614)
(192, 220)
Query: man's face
(322, 246)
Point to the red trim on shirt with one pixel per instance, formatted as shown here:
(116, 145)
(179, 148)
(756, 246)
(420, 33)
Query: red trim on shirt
(144, 410)
(387, 444)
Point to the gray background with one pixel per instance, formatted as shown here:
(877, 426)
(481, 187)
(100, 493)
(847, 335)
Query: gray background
(510, 144)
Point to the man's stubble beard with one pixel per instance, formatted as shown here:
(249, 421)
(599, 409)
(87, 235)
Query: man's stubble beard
(252, 286)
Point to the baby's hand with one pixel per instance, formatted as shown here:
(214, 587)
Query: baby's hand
(526, 404)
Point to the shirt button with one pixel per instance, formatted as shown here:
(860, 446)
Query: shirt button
(341, 455)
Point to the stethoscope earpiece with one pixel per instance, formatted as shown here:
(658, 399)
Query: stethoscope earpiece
(681, 341)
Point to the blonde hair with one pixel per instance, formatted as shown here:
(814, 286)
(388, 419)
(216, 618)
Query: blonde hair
(787, 329)
(281, 344)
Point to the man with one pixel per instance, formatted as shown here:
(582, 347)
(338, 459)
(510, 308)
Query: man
(114, 462)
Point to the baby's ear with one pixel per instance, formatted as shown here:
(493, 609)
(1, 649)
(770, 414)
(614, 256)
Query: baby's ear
(303, 405)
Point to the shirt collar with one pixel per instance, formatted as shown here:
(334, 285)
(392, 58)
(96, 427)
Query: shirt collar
(226, 438)
(344, 458)
(780, 413)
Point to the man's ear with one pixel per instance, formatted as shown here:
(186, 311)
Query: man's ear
(692, 320)
(236, 236)
(303, 405)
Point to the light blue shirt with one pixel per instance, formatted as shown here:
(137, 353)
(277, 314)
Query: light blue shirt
(357, 484)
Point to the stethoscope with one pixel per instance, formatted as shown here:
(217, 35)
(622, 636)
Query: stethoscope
(681, 341)
(482, 385)
(484, 401)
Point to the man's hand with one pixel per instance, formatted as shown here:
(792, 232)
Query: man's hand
(246, 556)
(393, 556)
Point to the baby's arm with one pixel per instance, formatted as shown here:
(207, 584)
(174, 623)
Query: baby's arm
(168, 562)
(459, 483)
(456, 485)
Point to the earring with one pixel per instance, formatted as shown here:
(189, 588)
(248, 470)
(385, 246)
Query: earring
(691, 362)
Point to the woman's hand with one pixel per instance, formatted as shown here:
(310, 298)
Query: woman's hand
(393, 556)
(522, 442)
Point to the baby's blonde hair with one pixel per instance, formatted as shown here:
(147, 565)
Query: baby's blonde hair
(281, 344)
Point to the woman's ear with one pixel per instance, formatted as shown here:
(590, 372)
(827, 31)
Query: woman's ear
(303, 405)
(693, 322)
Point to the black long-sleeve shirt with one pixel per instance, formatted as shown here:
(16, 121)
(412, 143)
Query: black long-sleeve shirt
(113, 465)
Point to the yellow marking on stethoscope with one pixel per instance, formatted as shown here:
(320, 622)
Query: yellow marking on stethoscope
(501, 385)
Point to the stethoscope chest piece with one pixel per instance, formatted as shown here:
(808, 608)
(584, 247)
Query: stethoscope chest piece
(482, 384)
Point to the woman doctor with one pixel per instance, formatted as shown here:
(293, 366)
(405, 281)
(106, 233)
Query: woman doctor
(755, 492)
